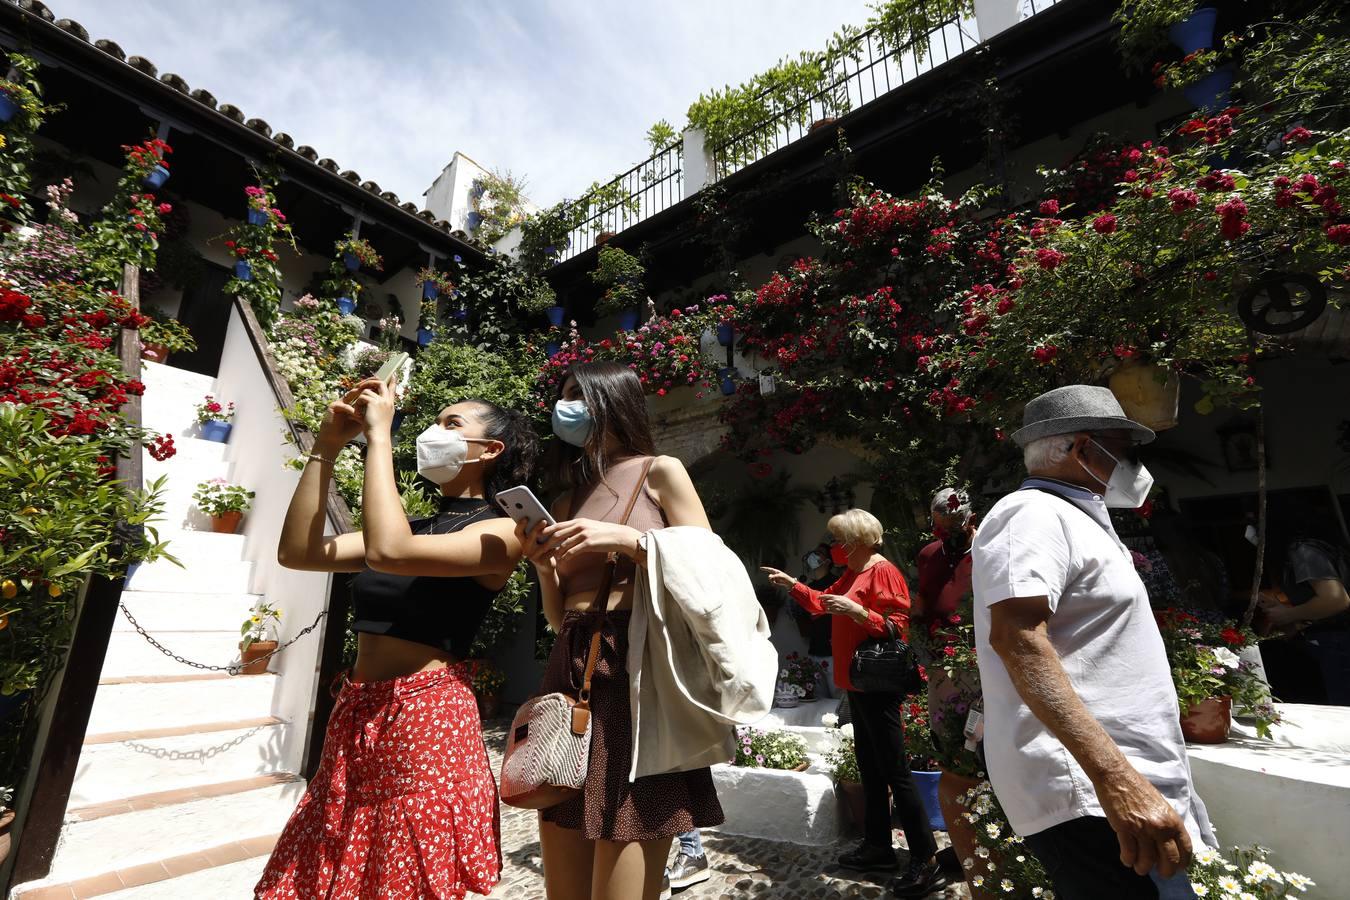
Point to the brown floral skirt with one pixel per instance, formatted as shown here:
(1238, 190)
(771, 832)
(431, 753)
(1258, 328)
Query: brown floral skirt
(610, 807)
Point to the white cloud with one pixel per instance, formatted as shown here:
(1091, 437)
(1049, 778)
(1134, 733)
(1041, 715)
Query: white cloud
(560, 93)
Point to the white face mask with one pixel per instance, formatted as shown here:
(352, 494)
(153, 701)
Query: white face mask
(1128, 486)
(441, 453)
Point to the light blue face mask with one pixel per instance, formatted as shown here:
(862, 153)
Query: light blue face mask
(572, 421)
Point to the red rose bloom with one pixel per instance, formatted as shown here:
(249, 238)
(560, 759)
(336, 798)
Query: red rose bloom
(1104, 224)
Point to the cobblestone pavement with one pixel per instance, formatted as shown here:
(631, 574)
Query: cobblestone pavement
(742, 867)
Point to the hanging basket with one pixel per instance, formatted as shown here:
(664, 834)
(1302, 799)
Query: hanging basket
(1196, 31)
(1149, 394)
(257, 217)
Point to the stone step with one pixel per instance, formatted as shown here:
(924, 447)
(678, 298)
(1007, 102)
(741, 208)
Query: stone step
(132, 706)
(159, 612)
(172, 828)
(195, 575)
(234, 879)
(135, 766)
(203, 546)
(130, 655)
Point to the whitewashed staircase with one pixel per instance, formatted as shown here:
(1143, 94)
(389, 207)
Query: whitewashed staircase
(179, 792)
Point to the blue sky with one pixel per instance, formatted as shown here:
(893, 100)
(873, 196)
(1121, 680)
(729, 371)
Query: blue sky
(558, 92)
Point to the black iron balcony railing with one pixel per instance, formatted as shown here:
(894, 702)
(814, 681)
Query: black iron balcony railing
(866, 70)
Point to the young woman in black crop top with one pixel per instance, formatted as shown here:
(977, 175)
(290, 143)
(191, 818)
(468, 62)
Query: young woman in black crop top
(404, 803)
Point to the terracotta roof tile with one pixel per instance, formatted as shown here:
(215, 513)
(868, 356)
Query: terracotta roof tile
(208, 100)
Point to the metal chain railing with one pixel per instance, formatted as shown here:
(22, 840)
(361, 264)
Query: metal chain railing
(231, 669)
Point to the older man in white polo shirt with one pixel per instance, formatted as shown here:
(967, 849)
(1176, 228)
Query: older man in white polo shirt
(1081, 733)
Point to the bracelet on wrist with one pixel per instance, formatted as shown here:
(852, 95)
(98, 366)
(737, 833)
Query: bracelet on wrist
(322, 459)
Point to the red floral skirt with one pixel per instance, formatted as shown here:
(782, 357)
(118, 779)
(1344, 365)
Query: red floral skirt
(404, 803)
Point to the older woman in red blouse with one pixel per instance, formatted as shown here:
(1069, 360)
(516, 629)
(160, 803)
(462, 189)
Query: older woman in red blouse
(870, 592)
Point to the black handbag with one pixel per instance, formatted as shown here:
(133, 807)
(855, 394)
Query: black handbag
(884, 665)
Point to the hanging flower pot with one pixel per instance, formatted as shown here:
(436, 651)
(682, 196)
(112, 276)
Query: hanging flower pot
(555, 314)
(462, 313)
(346, 305)
(155, 180)
(397, 422)
(154, 352)
(254, 658)
(425, 336)
(1196, 31)
(8, 108)
(927, 783)
(628, 320)
(430, 291)
(217, 431)
(1209, 721)
(351, 261)
(473, 219)
(1213, 92)
(728, 378)
(226, 523)
(603, 238)
(818, 124)
(552, 348)
(726, 333)
(243, 271)
(257, 217)
(1148, 393)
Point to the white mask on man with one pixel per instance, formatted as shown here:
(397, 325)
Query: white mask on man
(1129, 484)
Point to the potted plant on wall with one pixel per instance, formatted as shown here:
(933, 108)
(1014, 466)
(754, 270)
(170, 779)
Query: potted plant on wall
(214, 418)
(487, 687)
(355, 253)
(1210, 678)
(801, 672)
(620, 274)
(225, 503)
(842, 760)
(163, 336)
(258, 638)
(775, 749)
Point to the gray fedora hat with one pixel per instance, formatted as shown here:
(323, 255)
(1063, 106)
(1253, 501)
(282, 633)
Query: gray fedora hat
(1075, 408)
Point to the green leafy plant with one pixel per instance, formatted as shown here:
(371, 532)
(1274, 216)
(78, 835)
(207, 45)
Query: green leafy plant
(1203, 656)
(487, 679)
(256, 246)
(261, 624)
(620, 274)
(499, 199)
(361, 249)
(842, 756)
(216, 497)
(776, 749)
(128, 228)
(801, 672)
(909, 23)
(16, 144)
(1144, 25)
(166, 332)
(1244, 873)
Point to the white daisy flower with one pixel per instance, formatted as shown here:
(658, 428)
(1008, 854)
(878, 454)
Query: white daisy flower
(977, 880)
(1199, 889)
(992, 829)
(1006, 885)
(1229, 884)
(983, 853)
(1264, 871)
(1299, 881)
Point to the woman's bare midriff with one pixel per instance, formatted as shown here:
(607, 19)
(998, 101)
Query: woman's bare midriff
(618, 599)
(380, 657)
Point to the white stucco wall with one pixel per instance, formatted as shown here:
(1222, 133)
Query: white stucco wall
(257, 453)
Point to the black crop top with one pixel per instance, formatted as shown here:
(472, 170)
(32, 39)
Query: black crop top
(440, 612)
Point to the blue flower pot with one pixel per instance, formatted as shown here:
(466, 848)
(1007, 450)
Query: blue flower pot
(927, 783)
(1196, 31)
(397, 422)
(555, 314)
(216, 430)
(351, 262)
(430, 291)
(628, 320)
(461, 314)
(1213, 92)
(9, 704)
(728, 379)
(258, 217)
(8, 108)
(346, 305)
(550, 251)
(473, 220)
(155, 180)
(725, 334)
(425, 336)
(553, 348)
(243, 271)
